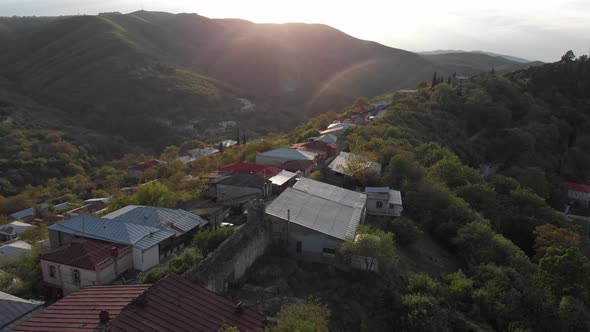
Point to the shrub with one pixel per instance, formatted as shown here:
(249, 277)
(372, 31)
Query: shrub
(208, 240)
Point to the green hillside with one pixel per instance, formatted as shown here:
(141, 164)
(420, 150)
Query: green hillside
(473, 63)
(157, 78)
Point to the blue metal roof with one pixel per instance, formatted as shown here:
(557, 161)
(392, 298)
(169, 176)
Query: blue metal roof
(23, 213)
(141, 237)
(158, 217)
(290, 154)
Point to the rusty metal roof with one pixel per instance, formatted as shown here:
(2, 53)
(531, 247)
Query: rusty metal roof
(90, 254)
(80, 310)
(177, 304)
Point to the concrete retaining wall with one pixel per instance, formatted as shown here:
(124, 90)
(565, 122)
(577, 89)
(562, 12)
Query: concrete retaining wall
(229, 262)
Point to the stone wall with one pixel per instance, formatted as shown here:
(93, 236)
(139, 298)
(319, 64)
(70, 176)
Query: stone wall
(229, 262)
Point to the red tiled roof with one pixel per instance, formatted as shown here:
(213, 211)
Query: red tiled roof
(577, 187)
(297, 165)
(177, 304)
(90, 254)
(260, 170)
(79, 311)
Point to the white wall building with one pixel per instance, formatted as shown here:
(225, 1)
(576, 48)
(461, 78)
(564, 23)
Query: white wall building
(382, 201)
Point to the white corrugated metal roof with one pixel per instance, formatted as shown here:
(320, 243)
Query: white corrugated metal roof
(322, 207)
(395, 197)
(377, 190)
(178, 220)
(14, 251)
(282, 177)
(15, 228)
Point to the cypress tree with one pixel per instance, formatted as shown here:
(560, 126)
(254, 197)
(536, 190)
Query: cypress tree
(449, 80)
(434, 80)
(238, 136)
(244, 139)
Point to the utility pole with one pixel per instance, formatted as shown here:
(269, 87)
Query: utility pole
(288, 225)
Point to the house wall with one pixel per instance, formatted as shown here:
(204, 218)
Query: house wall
(372, 208)
(312, 242)
(144, 260)
(57, 239)
(227, 192)
(64, 278)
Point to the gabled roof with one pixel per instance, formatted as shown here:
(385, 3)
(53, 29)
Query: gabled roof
(176, 219)
(14, 250)
(322, 207)
(243, 180)
(12, 308)
(327, 138)
(297, 165)
(577, 187)
(79, 311)
(282, 177)
(15, 228)
(89, 254)
(333, 193)
(110, 230)
(315, 147)
(339, 163)
(380, 190)
(26, 212)
(177, 304)
(289, 154)
(260, 170)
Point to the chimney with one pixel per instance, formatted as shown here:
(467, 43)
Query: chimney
(103, 317)
(239, 308)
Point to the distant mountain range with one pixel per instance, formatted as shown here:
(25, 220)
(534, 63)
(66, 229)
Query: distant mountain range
(152, 79)
(508, 57)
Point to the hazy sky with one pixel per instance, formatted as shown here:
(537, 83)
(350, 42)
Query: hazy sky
(536, 30)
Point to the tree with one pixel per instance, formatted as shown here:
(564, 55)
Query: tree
(434, 80)
(208, 240)
(358, 167)
(220, 147)
(170, 153)
(374, 247)
(310, 316)
(548, 236)
(568, 57)
(565, 272)
(244, 139)
(360, 104)
(156, 194)
(238, 136)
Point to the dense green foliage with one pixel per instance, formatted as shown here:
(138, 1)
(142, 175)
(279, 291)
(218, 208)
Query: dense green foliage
(32, 157)
(209, 239)
(177, 264)
(305, 317)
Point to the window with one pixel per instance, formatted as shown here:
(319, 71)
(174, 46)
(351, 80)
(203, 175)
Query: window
(379, 204)
(391, 206)
(52, 271)
(299, 245)
(329, 250)
(76, 276)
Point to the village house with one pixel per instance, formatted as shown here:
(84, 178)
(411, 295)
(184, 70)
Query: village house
(14, 310)
(239, 187)
(325, 151)
(340, 170)
(282, 181)
(328, 139)
(337, 129)
(85, 263)
(187, 307)
(173, 303)
(13, 230)
(278, 157)
(264, 171)
(578, 192)
(382, 201)
(312, 218)
(138, 171)
(150, 244)
(303, 167)
(88, 309)
(13, 251)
